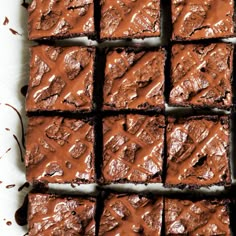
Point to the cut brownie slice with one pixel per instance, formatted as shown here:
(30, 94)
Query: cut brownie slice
(201, 75)
(60, 19)
(205, 217)
(133, 148)
(129, 19)
(53, 215)
(61, 79)
(198, 19)
(131, 215)
(59, 150)
(134, 79)
(198, 151)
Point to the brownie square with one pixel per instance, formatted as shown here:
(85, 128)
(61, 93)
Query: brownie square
(60, 19)
(59, 150)
(134, 79)
(133, 149)
(198, 19)
(201, 75)
(129, 19)
(204, 217)
(53, 215)
(61, 79)
(131, 215)
(198, 151)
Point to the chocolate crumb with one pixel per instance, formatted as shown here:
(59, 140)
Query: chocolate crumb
(6, 21)
(14, 31)
(9, 223)
(10, 186)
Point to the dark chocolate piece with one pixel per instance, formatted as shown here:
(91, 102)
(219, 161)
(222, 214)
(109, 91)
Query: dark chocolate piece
(201, 75)
(60, 19)
(61, 79)
(198, 151)
(59, 150)
(134, 79)
(131, 215)
(195, 20)
(129, 19)
(133, 148)
(54, 215)
(205, 217)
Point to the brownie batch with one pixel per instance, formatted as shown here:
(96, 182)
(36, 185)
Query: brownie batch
(104, 121)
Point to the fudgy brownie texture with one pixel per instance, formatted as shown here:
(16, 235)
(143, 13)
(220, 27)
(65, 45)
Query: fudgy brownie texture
(131, 215)
(201, 75)
(54, 215)
(134, 79)
(198, 19)
(129, 19)
(198, 151)
(61, 79)
(205, 217)
(59, 150)
(133, 148)
(50, 19)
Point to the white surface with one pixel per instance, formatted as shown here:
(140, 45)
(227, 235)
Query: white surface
(14, 57)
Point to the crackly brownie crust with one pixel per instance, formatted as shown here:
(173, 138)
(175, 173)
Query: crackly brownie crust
(60, 19)
(195, 20)
(203, 217)
(61, 79)
(201, 75)
(53, 215)
(133, 148)
(198, 151)
(134, 79)
(59, 150)
(133, 19)
(131, 214)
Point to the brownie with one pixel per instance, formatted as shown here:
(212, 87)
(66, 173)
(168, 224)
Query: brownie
(203, 217)
(129, 19)
(198, 19)
(54, 215)
(60, 19)
(59, 150)
(201, 75)
(198, 151)
(133, 148)
(134, 79)
(61, 79)
(131, 215)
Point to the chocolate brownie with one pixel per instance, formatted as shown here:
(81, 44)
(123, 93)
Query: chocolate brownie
(201, 75)
(133, 148)
(131, 215)
(59, 150)
(198, 151)
(134, 79)
(198, 19)
(129, 19)
(204, 217)
(54, 215)
(61, 79)
(60, 19)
